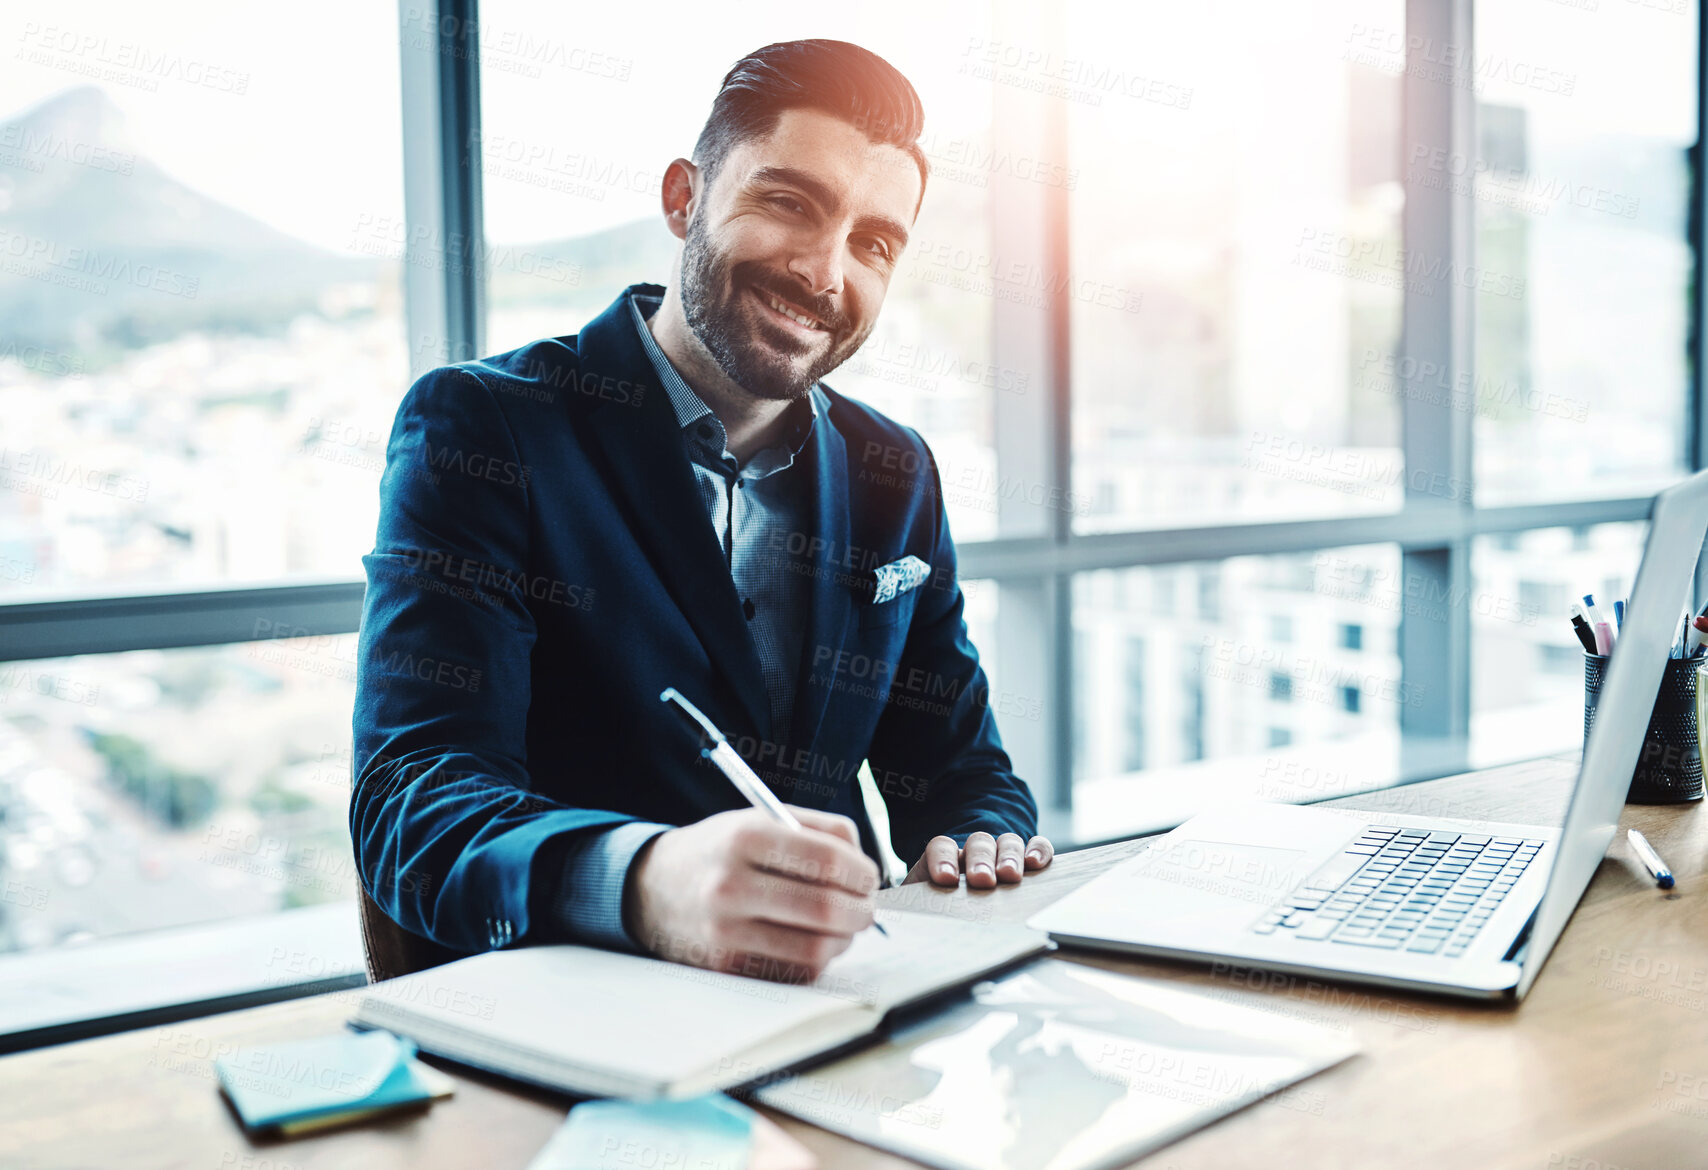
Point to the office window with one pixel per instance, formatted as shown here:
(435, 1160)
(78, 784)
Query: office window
(1526, 663)
(1234, 289)
(1209, 581)
(162, 788)
(1231, 672)
(1192, 725)
(201, 330)
(1581, 185)
(1543, 597)
(1136, 707)
(1081, 728)
(1162, 593)
(1236, 251)
(572, 219)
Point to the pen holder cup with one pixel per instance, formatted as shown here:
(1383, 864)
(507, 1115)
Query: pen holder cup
(1669, 770)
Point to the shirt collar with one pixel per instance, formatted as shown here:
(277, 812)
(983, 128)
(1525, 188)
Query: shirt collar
(698, 419)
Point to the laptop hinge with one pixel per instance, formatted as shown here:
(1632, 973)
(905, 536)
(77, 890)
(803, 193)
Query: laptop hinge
(1515, 953)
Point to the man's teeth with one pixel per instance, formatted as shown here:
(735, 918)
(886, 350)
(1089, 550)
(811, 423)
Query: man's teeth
(791, 314)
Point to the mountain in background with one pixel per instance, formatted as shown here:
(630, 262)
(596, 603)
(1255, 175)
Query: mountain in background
(604, 263)
(78, 202)
(72, 182)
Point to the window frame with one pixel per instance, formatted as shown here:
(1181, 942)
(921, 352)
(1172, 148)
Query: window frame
(445, 315)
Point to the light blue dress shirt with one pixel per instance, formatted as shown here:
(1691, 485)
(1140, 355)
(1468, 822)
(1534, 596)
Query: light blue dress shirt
(753, 508)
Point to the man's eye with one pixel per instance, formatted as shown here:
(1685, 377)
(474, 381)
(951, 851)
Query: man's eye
(794, 204)
(881, 249)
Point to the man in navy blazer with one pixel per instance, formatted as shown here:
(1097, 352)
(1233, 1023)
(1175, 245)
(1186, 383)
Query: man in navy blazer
(672, 498)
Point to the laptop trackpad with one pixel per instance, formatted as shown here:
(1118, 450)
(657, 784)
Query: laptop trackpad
(1207, 881)
(1198, 879)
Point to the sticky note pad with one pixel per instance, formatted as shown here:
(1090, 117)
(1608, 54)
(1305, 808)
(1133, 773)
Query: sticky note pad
(708, 1132)
(298, 1085)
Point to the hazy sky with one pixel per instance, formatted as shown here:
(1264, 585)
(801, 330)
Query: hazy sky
(593, 93)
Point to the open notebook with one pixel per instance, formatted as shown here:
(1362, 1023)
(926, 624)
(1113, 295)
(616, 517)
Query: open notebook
(603, 1023)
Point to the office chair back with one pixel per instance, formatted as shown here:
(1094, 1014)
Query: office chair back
(391, 950)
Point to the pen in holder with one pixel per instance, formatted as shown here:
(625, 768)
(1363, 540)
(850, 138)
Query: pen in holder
(1669, 770)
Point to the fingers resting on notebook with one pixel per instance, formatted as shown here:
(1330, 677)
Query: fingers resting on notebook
(986, 860)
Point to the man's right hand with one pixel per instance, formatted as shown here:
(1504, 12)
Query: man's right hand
(739, 892)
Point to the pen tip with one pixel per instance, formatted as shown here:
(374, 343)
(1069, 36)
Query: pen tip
(1666, 883)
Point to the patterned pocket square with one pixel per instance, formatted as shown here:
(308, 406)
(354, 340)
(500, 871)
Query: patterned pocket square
(892, 580)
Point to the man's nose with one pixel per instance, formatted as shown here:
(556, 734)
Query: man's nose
(818, 262)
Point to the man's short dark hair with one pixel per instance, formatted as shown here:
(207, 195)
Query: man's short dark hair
(834, 77)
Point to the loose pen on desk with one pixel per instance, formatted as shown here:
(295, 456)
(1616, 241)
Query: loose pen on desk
(1661, 872)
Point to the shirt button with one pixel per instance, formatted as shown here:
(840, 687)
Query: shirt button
(748, 608)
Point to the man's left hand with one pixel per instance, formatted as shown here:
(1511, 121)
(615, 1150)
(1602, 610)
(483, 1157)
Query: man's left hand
(986, 860)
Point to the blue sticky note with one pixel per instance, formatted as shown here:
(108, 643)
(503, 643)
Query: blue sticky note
(303, 1080)
(709, 1132)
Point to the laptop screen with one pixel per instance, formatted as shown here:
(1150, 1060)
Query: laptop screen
(1678, 519)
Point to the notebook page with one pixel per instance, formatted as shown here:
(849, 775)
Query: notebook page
(924, 952)
(584, 1007)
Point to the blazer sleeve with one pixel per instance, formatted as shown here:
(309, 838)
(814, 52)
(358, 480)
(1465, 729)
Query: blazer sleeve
(940, 765)
(447, 829)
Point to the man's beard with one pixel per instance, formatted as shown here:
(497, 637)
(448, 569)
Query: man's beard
(712, 295)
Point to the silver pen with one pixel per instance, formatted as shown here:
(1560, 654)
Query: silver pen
(1651, 860)
(730, 763)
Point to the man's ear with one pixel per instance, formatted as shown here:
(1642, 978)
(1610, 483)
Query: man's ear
(678, 195)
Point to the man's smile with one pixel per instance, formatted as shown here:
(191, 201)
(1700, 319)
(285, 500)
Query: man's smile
(790, 316)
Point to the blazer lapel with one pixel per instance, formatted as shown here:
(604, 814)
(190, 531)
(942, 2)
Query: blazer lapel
(832, 603)
(649, 472)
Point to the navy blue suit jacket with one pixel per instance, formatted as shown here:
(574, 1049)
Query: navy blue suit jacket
(544, 568)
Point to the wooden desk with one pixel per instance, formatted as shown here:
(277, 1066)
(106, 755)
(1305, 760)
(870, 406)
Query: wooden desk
(1606, 1061)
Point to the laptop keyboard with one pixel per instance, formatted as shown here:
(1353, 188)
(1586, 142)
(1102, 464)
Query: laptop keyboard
(1404, 889)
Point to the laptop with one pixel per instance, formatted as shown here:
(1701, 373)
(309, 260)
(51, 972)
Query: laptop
(1457, 907)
